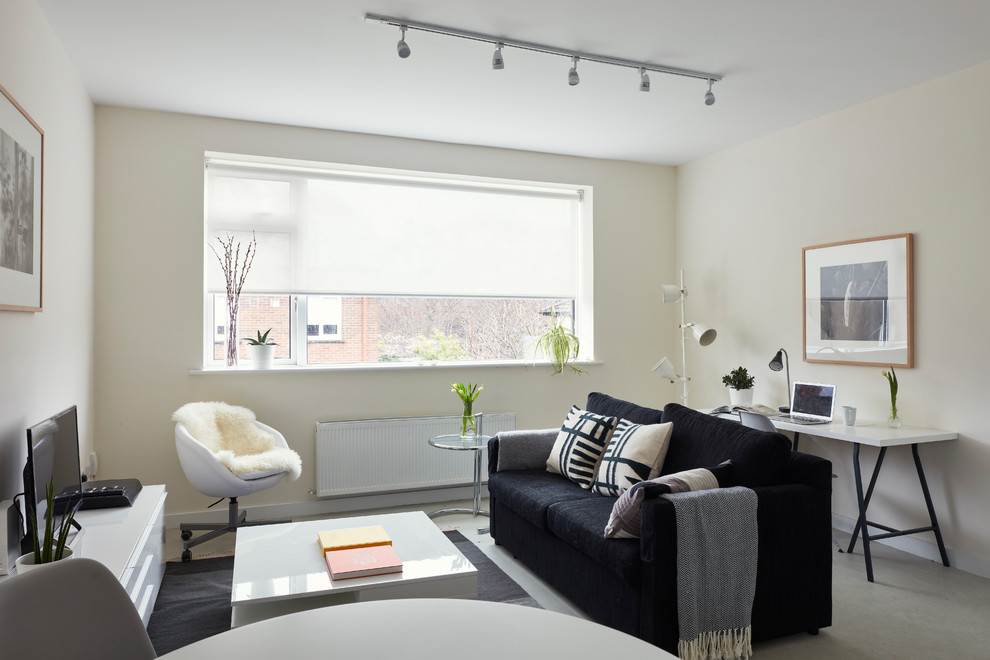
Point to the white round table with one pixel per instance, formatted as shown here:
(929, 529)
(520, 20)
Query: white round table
(430, 629)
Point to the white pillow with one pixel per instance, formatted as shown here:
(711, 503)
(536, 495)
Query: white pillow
(635, 453)
(579, 445)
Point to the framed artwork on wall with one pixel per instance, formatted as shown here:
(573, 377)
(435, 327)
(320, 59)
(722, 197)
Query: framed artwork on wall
(21, 182)
(858, 306)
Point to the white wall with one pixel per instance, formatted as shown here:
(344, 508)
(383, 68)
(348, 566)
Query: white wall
(149, 255)
(916, 161)
(46, 358)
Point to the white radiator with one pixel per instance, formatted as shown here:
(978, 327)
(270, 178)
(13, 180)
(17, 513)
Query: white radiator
(386, 455)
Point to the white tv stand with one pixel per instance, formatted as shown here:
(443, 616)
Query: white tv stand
(130, 541)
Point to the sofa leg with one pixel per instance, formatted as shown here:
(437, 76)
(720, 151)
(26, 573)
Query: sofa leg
(813, 632)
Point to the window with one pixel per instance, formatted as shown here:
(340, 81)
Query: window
(367, 265)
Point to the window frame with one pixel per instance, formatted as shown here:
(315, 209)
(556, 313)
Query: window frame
(583, 304)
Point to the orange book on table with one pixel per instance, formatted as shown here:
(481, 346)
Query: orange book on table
(362, 562)
(356, 537)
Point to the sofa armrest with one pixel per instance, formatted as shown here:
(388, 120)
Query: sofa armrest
(520, 450)
(808, 470)
(794, 570)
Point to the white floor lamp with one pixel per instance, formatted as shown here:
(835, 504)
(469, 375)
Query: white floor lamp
(701, 333)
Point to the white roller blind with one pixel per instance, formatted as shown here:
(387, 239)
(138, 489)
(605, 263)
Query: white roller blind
(375, 232)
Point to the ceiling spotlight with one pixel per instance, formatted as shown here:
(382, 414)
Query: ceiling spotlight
(709, 97)
(644, 80)
(497, 62)
(402, 46)
(572, 76)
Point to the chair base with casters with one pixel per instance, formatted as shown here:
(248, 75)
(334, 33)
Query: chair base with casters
(235, 519)
(209, 462)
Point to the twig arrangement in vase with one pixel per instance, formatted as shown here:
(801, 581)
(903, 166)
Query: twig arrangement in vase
(234, 273)
(894, 421)
(467, 393)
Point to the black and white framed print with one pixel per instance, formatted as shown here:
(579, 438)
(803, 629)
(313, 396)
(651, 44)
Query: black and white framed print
(21, 183)
(858, 305)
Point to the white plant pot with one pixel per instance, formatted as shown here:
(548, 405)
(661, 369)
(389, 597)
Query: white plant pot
(262, 355)
(25, 563)
(740, 397)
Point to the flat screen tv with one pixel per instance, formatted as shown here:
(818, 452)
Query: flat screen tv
(52, 457)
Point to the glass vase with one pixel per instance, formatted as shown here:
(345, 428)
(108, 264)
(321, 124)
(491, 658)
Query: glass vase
(894, 421)
(469, 426)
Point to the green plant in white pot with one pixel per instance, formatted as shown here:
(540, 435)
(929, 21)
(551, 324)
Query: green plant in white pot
(740, 385)
(52, 546)
(261, 350)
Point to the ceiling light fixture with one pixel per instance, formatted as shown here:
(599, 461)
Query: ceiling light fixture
(497, 62)
(501, 42)
(572, 76)
(402, 46)
(710, 97)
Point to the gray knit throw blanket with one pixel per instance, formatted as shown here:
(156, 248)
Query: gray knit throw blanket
(716, 572)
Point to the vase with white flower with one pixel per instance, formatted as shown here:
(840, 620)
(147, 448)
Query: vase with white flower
(894, 421)
(467, 393)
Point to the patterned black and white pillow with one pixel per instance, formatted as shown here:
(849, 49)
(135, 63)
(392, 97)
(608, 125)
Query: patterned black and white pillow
(579, 445)
(635, 453)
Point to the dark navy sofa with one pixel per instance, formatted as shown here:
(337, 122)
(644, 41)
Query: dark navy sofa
(556, 528)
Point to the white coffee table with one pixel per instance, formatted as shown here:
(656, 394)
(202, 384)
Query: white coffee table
(278, 569)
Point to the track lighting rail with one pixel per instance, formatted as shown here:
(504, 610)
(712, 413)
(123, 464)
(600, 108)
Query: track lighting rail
(540, 48)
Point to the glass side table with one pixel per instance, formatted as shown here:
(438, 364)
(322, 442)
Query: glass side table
(477, 444)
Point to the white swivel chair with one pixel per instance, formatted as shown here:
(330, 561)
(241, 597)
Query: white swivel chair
(73, 607)
(219, 472)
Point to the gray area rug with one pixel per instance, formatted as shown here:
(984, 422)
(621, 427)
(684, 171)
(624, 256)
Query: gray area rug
(194, 601)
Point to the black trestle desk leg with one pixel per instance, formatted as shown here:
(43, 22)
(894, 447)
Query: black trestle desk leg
(797, 436)
(861, 525)
(869, 490)
(928, 502)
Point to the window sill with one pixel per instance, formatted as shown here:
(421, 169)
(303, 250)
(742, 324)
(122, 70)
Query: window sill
(380, 366)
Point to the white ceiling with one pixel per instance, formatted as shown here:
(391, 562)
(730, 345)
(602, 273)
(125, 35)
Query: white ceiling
(318, 63)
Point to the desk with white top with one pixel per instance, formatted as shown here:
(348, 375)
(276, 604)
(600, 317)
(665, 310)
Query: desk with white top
(877, 434)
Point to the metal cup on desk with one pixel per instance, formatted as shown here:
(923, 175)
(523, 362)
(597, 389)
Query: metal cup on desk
(849, 415)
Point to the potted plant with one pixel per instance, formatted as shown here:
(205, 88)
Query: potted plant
(261, 349)
(52, 546)
(740, 385)
(559, 345)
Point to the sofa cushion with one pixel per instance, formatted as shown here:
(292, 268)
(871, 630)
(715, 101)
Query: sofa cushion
(529, 493)
(635, 453)
(625, 520)
(758, 458)
(580, 524)
(603, 404)
(579, 445)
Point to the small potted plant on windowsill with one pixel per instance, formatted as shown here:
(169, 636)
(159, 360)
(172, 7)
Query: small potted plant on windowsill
(261, 350)
(50, 546)
(559, 345)
(740, 385)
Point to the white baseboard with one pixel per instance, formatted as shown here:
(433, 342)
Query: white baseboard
(330, 505)
(919, 547)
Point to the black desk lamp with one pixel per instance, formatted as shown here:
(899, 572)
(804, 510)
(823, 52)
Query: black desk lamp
(779, 361)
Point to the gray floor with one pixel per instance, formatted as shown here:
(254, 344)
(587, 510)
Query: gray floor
(915, 609)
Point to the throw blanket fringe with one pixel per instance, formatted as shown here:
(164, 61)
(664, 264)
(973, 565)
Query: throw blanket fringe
(716, 572)
(736, 643)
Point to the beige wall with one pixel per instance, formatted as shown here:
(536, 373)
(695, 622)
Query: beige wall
(149, 255)
(916, 161)
(46, 359)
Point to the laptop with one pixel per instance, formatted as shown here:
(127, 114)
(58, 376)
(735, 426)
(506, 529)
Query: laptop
(811, 403)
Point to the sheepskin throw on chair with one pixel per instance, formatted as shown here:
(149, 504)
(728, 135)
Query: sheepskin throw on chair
(231, 434)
